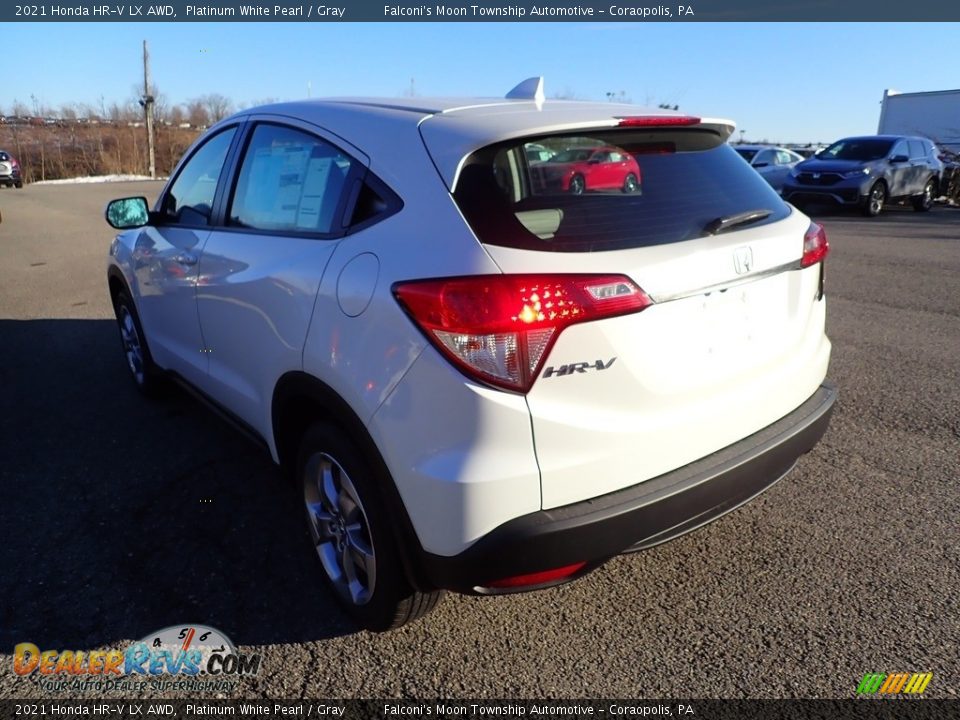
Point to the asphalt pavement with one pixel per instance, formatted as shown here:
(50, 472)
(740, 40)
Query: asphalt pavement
(121, 516)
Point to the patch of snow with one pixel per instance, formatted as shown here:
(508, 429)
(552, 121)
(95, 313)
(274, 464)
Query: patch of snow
(96, 179)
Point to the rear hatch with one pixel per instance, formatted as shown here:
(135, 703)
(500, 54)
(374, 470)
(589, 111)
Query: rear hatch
(732, 335)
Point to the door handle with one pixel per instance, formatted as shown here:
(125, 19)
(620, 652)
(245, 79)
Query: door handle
(186, 258)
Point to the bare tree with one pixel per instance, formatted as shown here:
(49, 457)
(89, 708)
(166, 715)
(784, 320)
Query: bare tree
(618, 97)
(197, 114)
(217, 106)
(124, 113)
(176, 114)
(20, 109)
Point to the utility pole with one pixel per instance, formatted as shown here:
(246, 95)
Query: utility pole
(147, 102)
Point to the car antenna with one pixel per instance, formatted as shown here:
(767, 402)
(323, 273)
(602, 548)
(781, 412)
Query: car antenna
(529, 89)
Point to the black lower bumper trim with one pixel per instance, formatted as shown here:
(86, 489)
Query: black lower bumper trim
(640, 516)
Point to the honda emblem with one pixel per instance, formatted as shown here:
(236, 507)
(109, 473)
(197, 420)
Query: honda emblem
(743, 260)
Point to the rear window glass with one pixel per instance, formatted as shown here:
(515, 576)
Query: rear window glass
(609, 190)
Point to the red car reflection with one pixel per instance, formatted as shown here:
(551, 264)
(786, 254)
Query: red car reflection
(579, 170)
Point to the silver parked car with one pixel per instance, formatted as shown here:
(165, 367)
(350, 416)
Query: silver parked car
(773, 163)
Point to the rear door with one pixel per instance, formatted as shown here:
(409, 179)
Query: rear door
(919, 167)
(259, 273)
(734, 339)
(901, 173)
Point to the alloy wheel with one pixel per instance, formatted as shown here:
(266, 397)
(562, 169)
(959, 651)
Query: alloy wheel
(132, 348)
(340, 529)
(876, 199)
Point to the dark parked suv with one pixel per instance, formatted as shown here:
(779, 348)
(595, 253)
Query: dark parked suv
(868, 172)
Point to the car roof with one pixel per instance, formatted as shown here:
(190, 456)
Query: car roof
(452, 128)
(881, 137)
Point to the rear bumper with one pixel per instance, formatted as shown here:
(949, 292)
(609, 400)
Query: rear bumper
(641, 516)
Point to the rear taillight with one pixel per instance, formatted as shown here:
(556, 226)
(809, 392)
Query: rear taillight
(500, 328)
(815, 246)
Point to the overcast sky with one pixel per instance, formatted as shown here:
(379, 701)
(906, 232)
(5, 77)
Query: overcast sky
(780, 82)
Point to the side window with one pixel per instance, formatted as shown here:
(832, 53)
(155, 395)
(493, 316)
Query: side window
(900, 148)
(765, 157)
(916, 150)
(784, 157)
(374, 203)
(289, 181)
(190, 198)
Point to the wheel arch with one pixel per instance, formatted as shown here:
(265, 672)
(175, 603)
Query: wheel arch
(116, 282)
(299, 400)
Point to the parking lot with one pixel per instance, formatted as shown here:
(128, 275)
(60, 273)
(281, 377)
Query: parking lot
(122, 516)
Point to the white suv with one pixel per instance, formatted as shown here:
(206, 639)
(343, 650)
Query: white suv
(486, 374)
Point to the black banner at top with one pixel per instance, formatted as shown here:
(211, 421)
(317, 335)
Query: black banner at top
(621, 11)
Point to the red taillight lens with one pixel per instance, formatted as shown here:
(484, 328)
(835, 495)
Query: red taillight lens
(815, 246)
(538, 578)
(658, 120)
(499, 328)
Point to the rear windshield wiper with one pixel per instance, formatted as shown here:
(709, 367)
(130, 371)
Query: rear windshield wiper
(729, 221)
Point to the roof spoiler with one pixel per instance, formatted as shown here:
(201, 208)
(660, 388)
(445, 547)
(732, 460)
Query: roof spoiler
(529, 89)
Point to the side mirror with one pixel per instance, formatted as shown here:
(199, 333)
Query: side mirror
(899, 159)
(127, 213)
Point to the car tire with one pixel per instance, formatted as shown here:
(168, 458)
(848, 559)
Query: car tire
(630, 184)
(925, 201)
(872, 205)
(146, 376)
(19, 185)
(578, 186)
(351, 531)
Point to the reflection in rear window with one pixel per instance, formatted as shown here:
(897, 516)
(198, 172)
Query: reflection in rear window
(609, 190)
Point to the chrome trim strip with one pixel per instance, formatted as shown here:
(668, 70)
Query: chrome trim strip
(721, 287)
